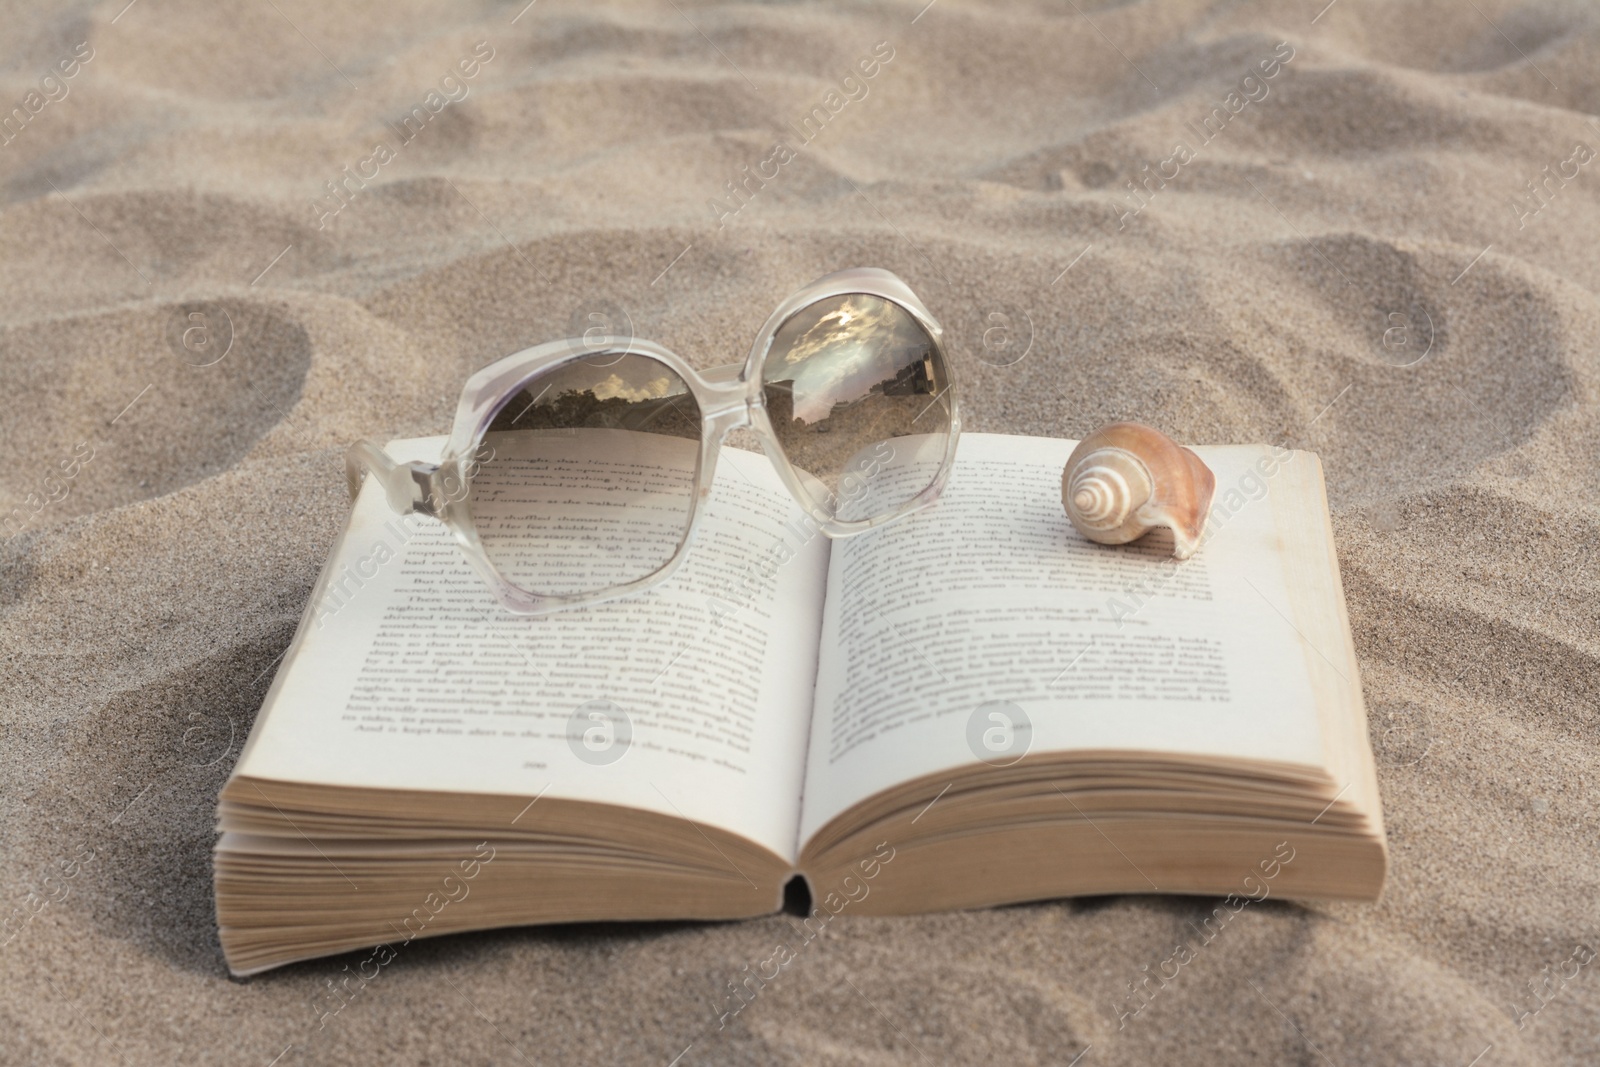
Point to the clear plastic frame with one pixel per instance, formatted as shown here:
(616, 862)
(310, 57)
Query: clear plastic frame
(728, 398)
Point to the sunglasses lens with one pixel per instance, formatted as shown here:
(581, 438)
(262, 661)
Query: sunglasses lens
(854, 383)
(585, 480)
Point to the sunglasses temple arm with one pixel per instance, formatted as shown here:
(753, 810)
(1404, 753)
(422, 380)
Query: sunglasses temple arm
(407, 486)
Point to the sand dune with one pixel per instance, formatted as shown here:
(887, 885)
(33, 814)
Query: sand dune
(1353, 261)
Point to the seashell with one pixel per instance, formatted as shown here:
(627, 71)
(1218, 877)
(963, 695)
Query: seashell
(1125, 479)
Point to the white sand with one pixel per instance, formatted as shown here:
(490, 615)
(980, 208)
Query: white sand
(139, 616)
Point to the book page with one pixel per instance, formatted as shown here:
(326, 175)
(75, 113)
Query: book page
(986, 627)
(692, 699)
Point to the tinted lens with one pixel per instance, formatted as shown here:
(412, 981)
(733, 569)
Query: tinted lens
(586, 478)
(849, 381)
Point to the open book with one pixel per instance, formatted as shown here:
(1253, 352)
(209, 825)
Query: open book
(970, 707)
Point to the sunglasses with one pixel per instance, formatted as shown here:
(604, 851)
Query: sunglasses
(577, 472)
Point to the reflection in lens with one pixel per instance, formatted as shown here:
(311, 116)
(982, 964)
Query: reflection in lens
(845, 379)
(585, 479)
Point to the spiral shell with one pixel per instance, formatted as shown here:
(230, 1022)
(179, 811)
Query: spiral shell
(1125, 479)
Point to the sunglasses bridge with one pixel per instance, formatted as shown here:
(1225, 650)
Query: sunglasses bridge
(725, 402)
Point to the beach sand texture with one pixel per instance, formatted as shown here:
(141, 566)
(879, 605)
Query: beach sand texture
(1353, 263)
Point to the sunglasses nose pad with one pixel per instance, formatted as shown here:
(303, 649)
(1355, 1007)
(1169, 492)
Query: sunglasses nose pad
(728, 416)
